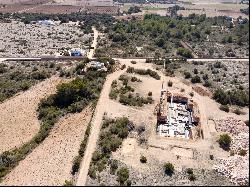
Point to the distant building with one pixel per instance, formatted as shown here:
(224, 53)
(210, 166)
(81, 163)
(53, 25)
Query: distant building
(46, 22)
(76, 53)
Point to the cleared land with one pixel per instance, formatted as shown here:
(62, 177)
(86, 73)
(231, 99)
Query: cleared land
(158, 150)
(51, 162)
(20, 40)
(18, 122)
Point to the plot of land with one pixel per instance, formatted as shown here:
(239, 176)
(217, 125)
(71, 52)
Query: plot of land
(18, 122)
(20, 40)
(50, 163)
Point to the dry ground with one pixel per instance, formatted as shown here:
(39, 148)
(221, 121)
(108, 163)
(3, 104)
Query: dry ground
(32, 40)
(50, 163)
(182, 153)
(18, 121)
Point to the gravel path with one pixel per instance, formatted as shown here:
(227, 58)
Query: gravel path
(50, 163)
(18, 117)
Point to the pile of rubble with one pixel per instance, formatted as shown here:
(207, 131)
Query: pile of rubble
(235, 167)
(231, 125)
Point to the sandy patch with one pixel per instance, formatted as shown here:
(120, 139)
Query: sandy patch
(18, 117)
(51, 162)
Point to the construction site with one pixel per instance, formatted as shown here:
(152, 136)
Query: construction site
(176, 115)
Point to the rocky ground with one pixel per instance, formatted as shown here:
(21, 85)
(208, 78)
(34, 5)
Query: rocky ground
(155, 176)
(29, 40)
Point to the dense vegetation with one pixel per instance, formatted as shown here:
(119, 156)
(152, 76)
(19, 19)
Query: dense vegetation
(232, 97)
(125, 92)
(225, 141)
(21, 77)
(159, 35)
(87, 20)
(134, 9)
(112, 134)
(149, 72)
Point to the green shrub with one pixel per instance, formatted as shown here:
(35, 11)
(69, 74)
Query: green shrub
(149, 93)
(169, 168)
(184, 52)
(187, 75)
(143, 159)
(123, 175)
(170, 83)
(68, 183)
(224, 108)
(189, 171)
(196, 79)
(191, 177)
(242, 152)
(113, 166)
(76, 165)
(92, 172)
(133, 62)
(225, 141)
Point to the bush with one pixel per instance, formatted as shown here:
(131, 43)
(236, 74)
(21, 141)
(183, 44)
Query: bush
(184, 52)
(189, 171)
(68, 183)
(225, 141)
(92, 172)
(143, 159)
(224, 108)
(246, 122)
(191, 177)
(238, 111)
(187, 75)
(191, 94)
(196, 79)
(149, 93)
(123, 175)
(76, 165)
(211, 157)
(169, 168)
(113, 166)
(242, 152)
(170, 83)
(133, 62)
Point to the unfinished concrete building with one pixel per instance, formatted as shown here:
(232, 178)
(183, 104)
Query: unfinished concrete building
(176, 115)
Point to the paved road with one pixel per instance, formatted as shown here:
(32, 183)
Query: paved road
(95, 128)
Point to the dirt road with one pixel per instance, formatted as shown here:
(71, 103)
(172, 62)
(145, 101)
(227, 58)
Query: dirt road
(94, 44)
(96, 126)
(18, 116)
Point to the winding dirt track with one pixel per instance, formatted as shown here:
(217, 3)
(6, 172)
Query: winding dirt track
(50, 163)
(18, 117)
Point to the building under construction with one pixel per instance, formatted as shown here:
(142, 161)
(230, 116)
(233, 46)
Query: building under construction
(176, 115)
